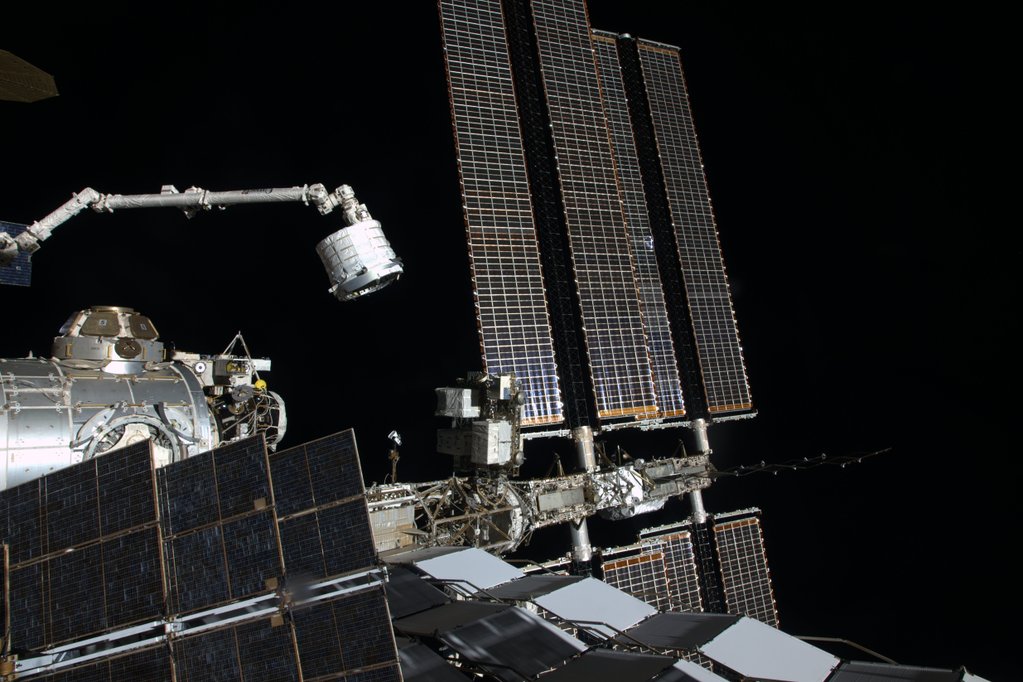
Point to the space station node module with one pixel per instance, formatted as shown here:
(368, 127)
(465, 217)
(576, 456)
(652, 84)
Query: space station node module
(111, 382)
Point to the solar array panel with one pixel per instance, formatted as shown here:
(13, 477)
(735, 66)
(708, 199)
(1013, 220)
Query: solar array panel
(683, 577)
(346, 637)
(252, 554)
(151, 664)
(266, 651)
(127, 495)
(317, 632)
(350, 634)
(328, 542)
(21, 520)
(364, 630)
(19, 271)
(605, 276)
(861, 671)
(511, 305)
(643, 576)
(84, 549)
(594, 601)
(242, 477)
(220, 534)
(79, 504)
(72, 507)
(648, 278)
(262, 649)
(197, 573)
(188, 494)
(196, 656)
(683, 632)
(317, 473)
(709, 299)
(28, 614)
(321, 508)
(744, 573)
(609, 186)
(661, 571)
(754, 650)
(132, 580)
(113, 543)
(222, 563)
(83, 592)
(75, 600)
(407, 594)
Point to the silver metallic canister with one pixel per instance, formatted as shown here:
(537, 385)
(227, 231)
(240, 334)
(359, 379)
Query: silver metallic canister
(359, 260)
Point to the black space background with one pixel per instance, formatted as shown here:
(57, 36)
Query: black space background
(851, 154)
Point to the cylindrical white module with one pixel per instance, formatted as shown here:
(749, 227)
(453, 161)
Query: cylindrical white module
(53, 415)
(359, 260)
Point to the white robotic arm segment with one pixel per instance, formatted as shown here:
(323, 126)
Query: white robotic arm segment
(196, 199)
(41, 230)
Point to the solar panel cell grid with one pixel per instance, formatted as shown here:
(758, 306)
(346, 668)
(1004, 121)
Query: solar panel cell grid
(151, 665)
(206, 657)
(293, 491)
(23, 520)
(75, 594)
(744, 572)
(330, 541)
(348, 633)
(683, 577)
(300, 544)
(125, 488)
(648, 279)
(364, 627)
(188, 495)
(710, 304)
(267, 651)
(605, 276)
(242, 481)
(132, 580)
(119, 580)
(253, 556)
(197, 573)
(72, 506)
(318, 644)
(347, 537)
(334, 468)
(642, 576)
(315, 474)
(515, 330)
(27, 599)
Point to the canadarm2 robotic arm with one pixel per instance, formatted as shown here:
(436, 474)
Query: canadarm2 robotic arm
(358, 257)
